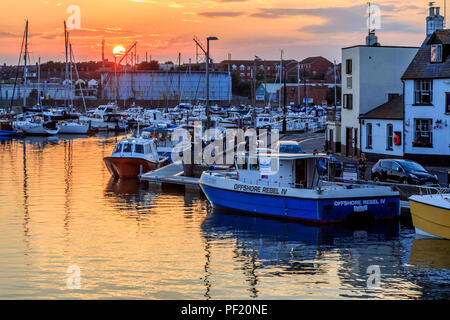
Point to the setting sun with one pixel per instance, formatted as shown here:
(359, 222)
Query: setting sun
(119, 50)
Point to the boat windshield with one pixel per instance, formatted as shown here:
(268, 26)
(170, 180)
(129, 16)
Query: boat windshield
(127, 147)
(139, 148)
(413, 166)
(117, 148)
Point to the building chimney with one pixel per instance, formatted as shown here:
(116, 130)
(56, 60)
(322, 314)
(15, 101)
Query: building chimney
(434, 21)
(372, 40)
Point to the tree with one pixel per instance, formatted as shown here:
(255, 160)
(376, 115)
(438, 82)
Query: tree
(151, 65)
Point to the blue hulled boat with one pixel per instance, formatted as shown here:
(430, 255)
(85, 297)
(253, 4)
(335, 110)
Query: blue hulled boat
(7, 130)
(289, 186)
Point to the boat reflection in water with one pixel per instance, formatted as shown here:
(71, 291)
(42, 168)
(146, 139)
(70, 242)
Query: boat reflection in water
(430, 254)
(341, 253)
(130, 194)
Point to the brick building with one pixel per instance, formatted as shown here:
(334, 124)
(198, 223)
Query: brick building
(270, 69)
(313, 92)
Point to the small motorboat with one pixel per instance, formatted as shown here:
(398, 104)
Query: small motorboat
(431, 215)
(134, 156)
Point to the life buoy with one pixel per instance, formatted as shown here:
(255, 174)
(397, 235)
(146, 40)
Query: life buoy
(397, 140)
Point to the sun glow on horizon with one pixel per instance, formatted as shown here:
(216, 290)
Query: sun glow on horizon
(119, 50)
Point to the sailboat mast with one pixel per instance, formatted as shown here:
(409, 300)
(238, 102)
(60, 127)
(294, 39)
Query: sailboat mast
(25, 71)
(39, 83)
(67, 61)
(71, 92)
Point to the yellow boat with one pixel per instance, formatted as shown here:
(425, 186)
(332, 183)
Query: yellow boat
(431, 215)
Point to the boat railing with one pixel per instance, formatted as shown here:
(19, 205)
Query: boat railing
(406, 190)
(427, 190)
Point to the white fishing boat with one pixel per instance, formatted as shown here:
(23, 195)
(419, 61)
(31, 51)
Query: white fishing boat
(288, 186)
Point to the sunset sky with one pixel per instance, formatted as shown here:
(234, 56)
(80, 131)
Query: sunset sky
(245, 28)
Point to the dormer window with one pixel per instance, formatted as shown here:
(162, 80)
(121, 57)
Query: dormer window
(436, 53)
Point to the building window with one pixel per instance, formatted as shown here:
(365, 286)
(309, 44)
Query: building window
(369, 136)
(349, 82)
(349, 66)
(242, 67)
(436, 53)
(423, 92)
(348, 101)
(390, 136)
(424, 133)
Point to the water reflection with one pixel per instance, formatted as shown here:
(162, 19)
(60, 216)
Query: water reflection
(131, 192)
(60, 207)
(430, 253)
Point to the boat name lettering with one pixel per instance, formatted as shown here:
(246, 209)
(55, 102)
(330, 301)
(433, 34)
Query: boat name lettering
(245, 188)
(359, 202)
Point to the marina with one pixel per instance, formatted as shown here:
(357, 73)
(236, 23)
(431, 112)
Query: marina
(125, 234)
(198, 174)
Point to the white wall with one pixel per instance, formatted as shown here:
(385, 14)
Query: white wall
(379, 137)
(441, 136)
(376, 73)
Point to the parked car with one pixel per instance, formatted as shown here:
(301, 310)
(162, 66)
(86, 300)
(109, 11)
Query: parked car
(402, 171)
(289, 147)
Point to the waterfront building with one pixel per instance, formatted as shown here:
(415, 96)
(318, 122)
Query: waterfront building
(382, 129)
(370, 77)
(427, 101)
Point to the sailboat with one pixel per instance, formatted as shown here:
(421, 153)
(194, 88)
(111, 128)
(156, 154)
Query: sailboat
(36, 123)
(70, 122)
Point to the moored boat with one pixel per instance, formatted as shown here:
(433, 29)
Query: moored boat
(7, 130)
(431, 215)
(132, 157)
(288, 186)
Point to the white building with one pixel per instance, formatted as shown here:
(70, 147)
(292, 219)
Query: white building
(371, 77)
(427, 101)
(382, 130)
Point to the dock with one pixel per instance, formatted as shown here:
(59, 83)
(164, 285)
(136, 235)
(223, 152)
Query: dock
(172, 175)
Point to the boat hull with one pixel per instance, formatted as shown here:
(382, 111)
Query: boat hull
(312, 210)
(429, 220)
(129, 168)
(6, 133)
(74, 129)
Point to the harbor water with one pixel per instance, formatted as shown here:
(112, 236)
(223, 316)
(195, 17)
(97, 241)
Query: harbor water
(60, 211)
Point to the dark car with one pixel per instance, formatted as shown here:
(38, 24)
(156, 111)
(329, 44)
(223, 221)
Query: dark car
(402, 171)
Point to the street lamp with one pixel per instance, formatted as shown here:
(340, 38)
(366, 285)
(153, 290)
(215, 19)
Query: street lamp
(207, 77)
(257, 59)
(118, 52)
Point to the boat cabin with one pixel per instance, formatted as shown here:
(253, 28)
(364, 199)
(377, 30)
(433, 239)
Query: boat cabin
(266, 120)
(135, 148)
(268, 168)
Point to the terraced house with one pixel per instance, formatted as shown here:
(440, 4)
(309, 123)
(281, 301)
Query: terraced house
(427, 101)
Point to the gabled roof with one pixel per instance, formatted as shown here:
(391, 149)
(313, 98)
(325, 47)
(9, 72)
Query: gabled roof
(440, 36)
(422, 68)
(391, 110)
